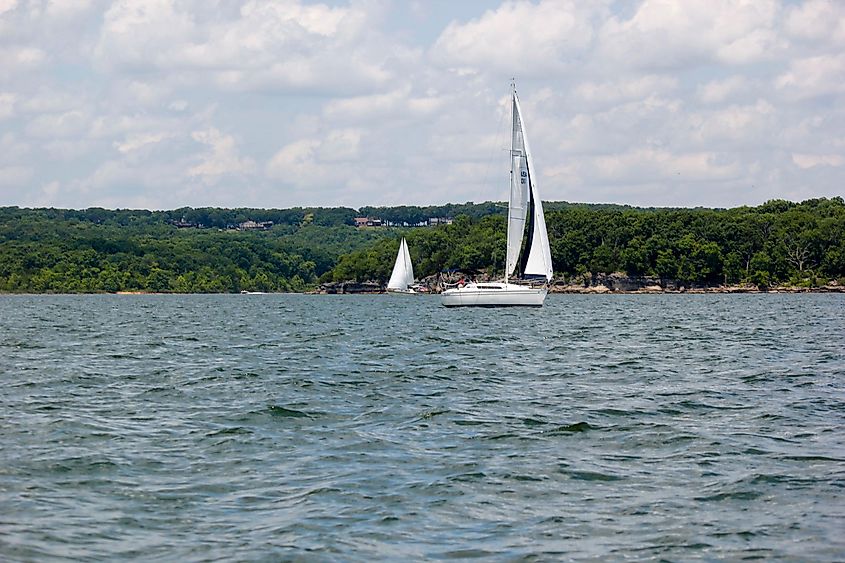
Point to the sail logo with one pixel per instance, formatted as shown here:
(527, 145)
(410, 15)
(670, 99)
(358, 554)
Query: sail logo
(524, 176)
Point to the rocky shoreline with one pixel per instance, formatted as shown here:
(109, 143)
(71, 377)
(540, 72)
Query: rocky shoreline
(592, 285)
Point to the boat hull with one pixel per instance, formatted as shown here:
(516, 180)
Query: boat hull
(494, 295)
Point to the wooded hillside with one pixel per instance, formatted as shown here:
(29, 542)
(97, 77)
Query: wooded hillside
(53, 250)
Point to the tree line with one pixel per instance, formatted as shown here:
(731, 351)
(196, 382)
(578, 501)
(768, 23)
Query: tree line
(100, 250)
(777, 242)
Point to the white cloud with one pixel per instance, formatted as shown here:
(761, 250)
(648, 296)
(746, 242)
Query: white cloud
(221, 159)
(627, 89)
(135, 142)
(191, 102)
(7, 104)
(11, 150)
(65, 9)
(735, 123)
(650, 164)
(317, 163)
(811, 160)
(335, 146)
(264, 46)
(178, 105)
(21, 58)
(517, 38)
(817, 21)
(15, 176)
(814, 76)
(68, 124)
(7, 6)
(399, 104)
(49, 100)
(675, 34)
(721, 90)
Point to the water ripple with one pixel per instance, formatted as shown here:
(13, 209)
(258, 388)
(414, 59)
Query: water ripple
(343, 428)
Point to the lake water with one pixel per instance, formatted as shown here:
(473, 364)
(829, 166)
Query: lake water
(354, 428)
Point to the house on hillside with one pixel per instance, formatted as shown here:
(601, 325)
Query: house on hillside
(367, 222)
(185, 224)
(255, 226)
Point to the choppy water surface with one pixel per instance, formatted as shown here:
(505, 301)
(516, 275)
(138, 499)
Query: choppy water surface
(246, 427)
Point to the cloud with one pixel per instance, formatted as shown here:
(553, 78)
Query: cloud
(7, 6)
(622, 90)
(668, 34)
(67, 9)
(17, 58)
(314, 162)
(721, 90)
(814, 76)
(135, 142)
(15, 176)
(221, 159)
(67, 124)
(247, 102)
(7, 104)
(817, 21)
(811, 160)
(284, 45)
(517, 38)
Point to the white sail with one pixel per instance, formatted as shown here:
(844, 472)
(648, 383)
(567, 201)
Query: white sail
(539, 259)
(409, 268)
(403, 272)
(518, 204)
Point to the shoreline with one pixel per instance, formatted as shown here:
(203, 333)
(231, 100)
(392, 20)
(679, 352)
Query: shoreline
(604, 290)
(563, 290)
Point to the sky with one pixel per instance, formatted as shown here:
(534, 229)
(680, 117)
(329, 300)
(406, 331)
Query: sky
(159, 104)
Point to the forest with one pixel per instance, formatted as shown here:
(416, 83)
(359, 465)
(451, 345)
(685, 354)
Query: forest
(101, 250)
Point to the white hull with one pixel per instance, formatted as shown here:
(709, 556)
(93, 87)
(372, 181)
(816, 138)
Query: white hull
(408, 291)
(494, 295)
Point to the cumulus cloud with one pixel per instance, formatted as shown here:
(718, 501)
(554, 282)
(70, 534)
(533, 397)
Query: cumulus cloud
(134, 142)
(811, 160)
(14, 176)
(317, 162)
(66, 124)
(622, 90)
(222, 157)
(518, 37)
(814, 76)
(7, 104)
(817, 21)
(356, 102)
(261, 46)
(672, 34)
(724, 89)
(16, 59)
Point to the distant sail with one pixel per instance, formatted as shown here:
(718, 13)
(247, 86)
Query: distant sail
(403, 270)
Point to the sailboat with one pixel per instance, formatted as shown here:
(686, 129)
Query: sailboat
(403, 271)
(529, 257)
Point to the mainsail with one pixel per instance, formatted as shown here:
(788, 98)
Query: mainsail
(403, 271)
(525, 208)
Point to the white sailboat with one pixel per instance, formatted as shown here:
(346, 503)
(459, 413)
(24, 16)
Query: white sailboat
(403, 271)
(529, 257)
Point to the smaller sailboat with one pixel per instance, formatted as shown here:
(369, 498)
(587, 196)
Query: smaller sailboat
(403, 271)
